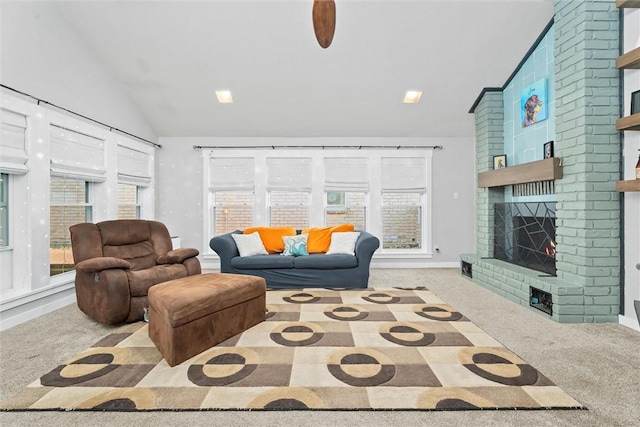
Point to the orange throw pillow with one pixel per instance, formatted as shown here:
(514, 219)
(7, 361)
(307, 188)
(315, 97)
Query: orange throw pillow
(320, 237)
(272, 237)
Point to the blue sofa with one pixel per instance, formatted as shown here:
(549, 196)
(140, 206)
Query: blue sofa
(311, 271)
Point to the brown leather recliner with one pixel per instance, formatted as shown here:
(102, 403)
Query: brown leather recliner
(118, 261)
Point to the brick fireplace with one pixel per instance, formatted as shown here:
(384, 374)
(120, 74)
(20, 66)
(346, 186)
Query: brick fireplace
(586, 287)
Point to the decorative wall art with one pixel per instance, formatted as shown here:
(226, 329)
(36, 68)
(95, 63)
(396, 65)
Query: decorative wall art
(533, 102)
(500, 162)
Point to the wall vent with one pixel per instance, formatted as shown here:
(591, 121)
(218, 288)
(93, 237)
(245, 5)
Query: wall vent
(538, 188)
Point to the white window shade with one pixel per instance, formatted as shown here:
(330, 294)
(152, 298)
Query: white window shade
(288, 174)
(134, 167)
(230, 174)
(404, 174)
(77, 155)
(346, 174)
(13, 152)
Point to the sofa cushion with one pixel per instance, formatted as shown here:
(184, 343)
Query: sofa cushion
(272, 237)
(320, 237)
(140, 255)
(140, 281)
(343, 243)
(260, 262)
(325, 262)
(249, 244)
(295, 245)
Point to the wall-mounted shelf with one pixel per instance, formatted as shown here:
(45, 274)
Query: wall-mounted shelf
(540, 170)
(631, 122)
(628, 185)
(627, 3)
(629, 60)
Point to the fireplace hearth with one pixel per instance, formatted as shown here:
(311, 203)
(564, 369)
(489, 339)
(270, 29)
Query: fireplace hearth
(525, 235)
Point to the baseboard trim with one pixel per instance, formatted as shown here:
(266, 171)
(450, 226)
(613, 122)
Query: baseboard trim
(629, 322)
(22, 308)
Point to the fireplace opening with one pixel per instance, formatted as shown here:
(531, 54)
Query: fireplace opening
(525, 235)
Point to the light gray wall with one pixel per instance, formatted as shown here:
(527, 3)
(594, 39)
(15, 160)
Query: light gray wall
(180, 186)
(42, 56)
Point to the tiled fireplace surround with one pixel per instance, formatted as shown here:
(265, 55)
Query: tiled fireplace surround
(587, 286)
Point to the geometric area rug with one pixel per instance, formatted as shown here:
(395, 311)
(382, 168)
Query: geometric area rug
(319, 349)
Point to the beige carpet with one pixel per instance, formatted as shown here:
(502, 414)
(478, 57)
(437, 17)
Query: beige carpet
(386, 349)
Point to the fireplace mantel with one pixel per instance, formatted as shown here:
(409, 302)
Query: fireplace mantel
(540, 170)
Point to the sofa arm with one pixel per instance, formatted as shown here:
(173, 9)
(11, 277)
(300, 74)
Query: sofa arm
(177, 256)
(366, 245)
(226, 248)
(95, 265)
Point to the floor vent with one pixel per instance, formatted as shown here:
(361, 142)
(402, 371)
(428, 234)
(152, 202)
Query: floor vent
(541, 300)
(466, 269)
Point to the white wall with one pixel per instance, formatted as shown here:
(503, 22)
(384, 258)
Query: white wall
(180, 200)
(631, 83)
(42, 56)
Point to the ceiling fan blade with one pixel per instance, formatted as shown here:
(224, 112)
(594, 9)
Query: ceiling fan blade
(324, 21)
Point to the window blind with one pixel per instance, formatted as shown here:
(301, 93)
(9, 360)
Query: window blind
(229, 174)
(133, 167)
(77, 155)
(13, 152)
(346, 174)
(288, 174)
(404, 174)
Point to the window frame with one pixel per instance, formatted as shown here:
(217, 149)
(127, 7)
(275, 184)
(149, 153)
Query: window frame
(89, 208)
(4, 204)
(137, 204)
(317, 202)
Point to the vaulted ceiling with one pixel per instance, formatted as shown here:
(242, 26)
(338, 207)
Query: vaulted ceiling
(171, 57)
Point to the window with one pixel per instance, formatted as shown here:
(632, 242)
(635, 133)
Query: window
(128, 201)
(401, 220)
(232, 210)
(4, 209)
(289, 208)
(232, 185)
(346, 184)
(403, 188)
(289, 187)
(70, 204)
(345, 207)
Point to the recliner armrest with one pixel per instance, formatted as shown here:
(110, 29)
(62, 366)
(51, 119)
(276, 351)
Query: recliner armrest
(177, 256)
(94, 265)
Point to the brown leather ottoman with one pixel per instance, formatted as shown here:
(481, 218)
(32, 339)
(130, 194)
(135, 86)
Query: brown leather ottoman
(192, 314)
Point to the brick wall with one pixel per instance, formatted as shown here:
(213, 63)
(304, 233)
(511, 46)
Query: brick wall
(587, 105)
(587, 286)
(489, 118)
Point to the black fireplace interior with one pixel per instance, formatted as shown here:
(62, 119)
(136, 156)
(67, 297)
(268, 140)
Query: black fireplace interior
(525, 234)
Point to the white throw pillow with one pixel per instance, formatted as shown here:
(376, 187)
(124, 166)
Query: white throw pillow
(249, 244)
(343, 242)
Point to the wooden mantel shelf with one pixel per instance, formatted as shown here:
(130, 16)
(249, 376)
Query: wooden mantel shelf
(631, 122)
(630, 60)
(541, 170)
(628, 185)
(627, 3)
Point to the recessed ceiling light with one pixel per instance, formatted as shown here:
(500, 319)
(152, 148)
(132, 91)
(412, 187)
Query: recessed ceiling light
(412, 96)
(224, 96)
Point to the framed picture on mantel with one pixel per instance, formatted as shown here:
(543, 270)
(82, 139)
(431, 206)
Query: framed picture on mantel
(635, 102)
(548, 150)
(500, 162)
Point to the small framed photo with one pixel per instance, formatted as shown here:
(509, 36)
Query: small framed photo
(548, 150)
(635, 102)
(500, 162)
